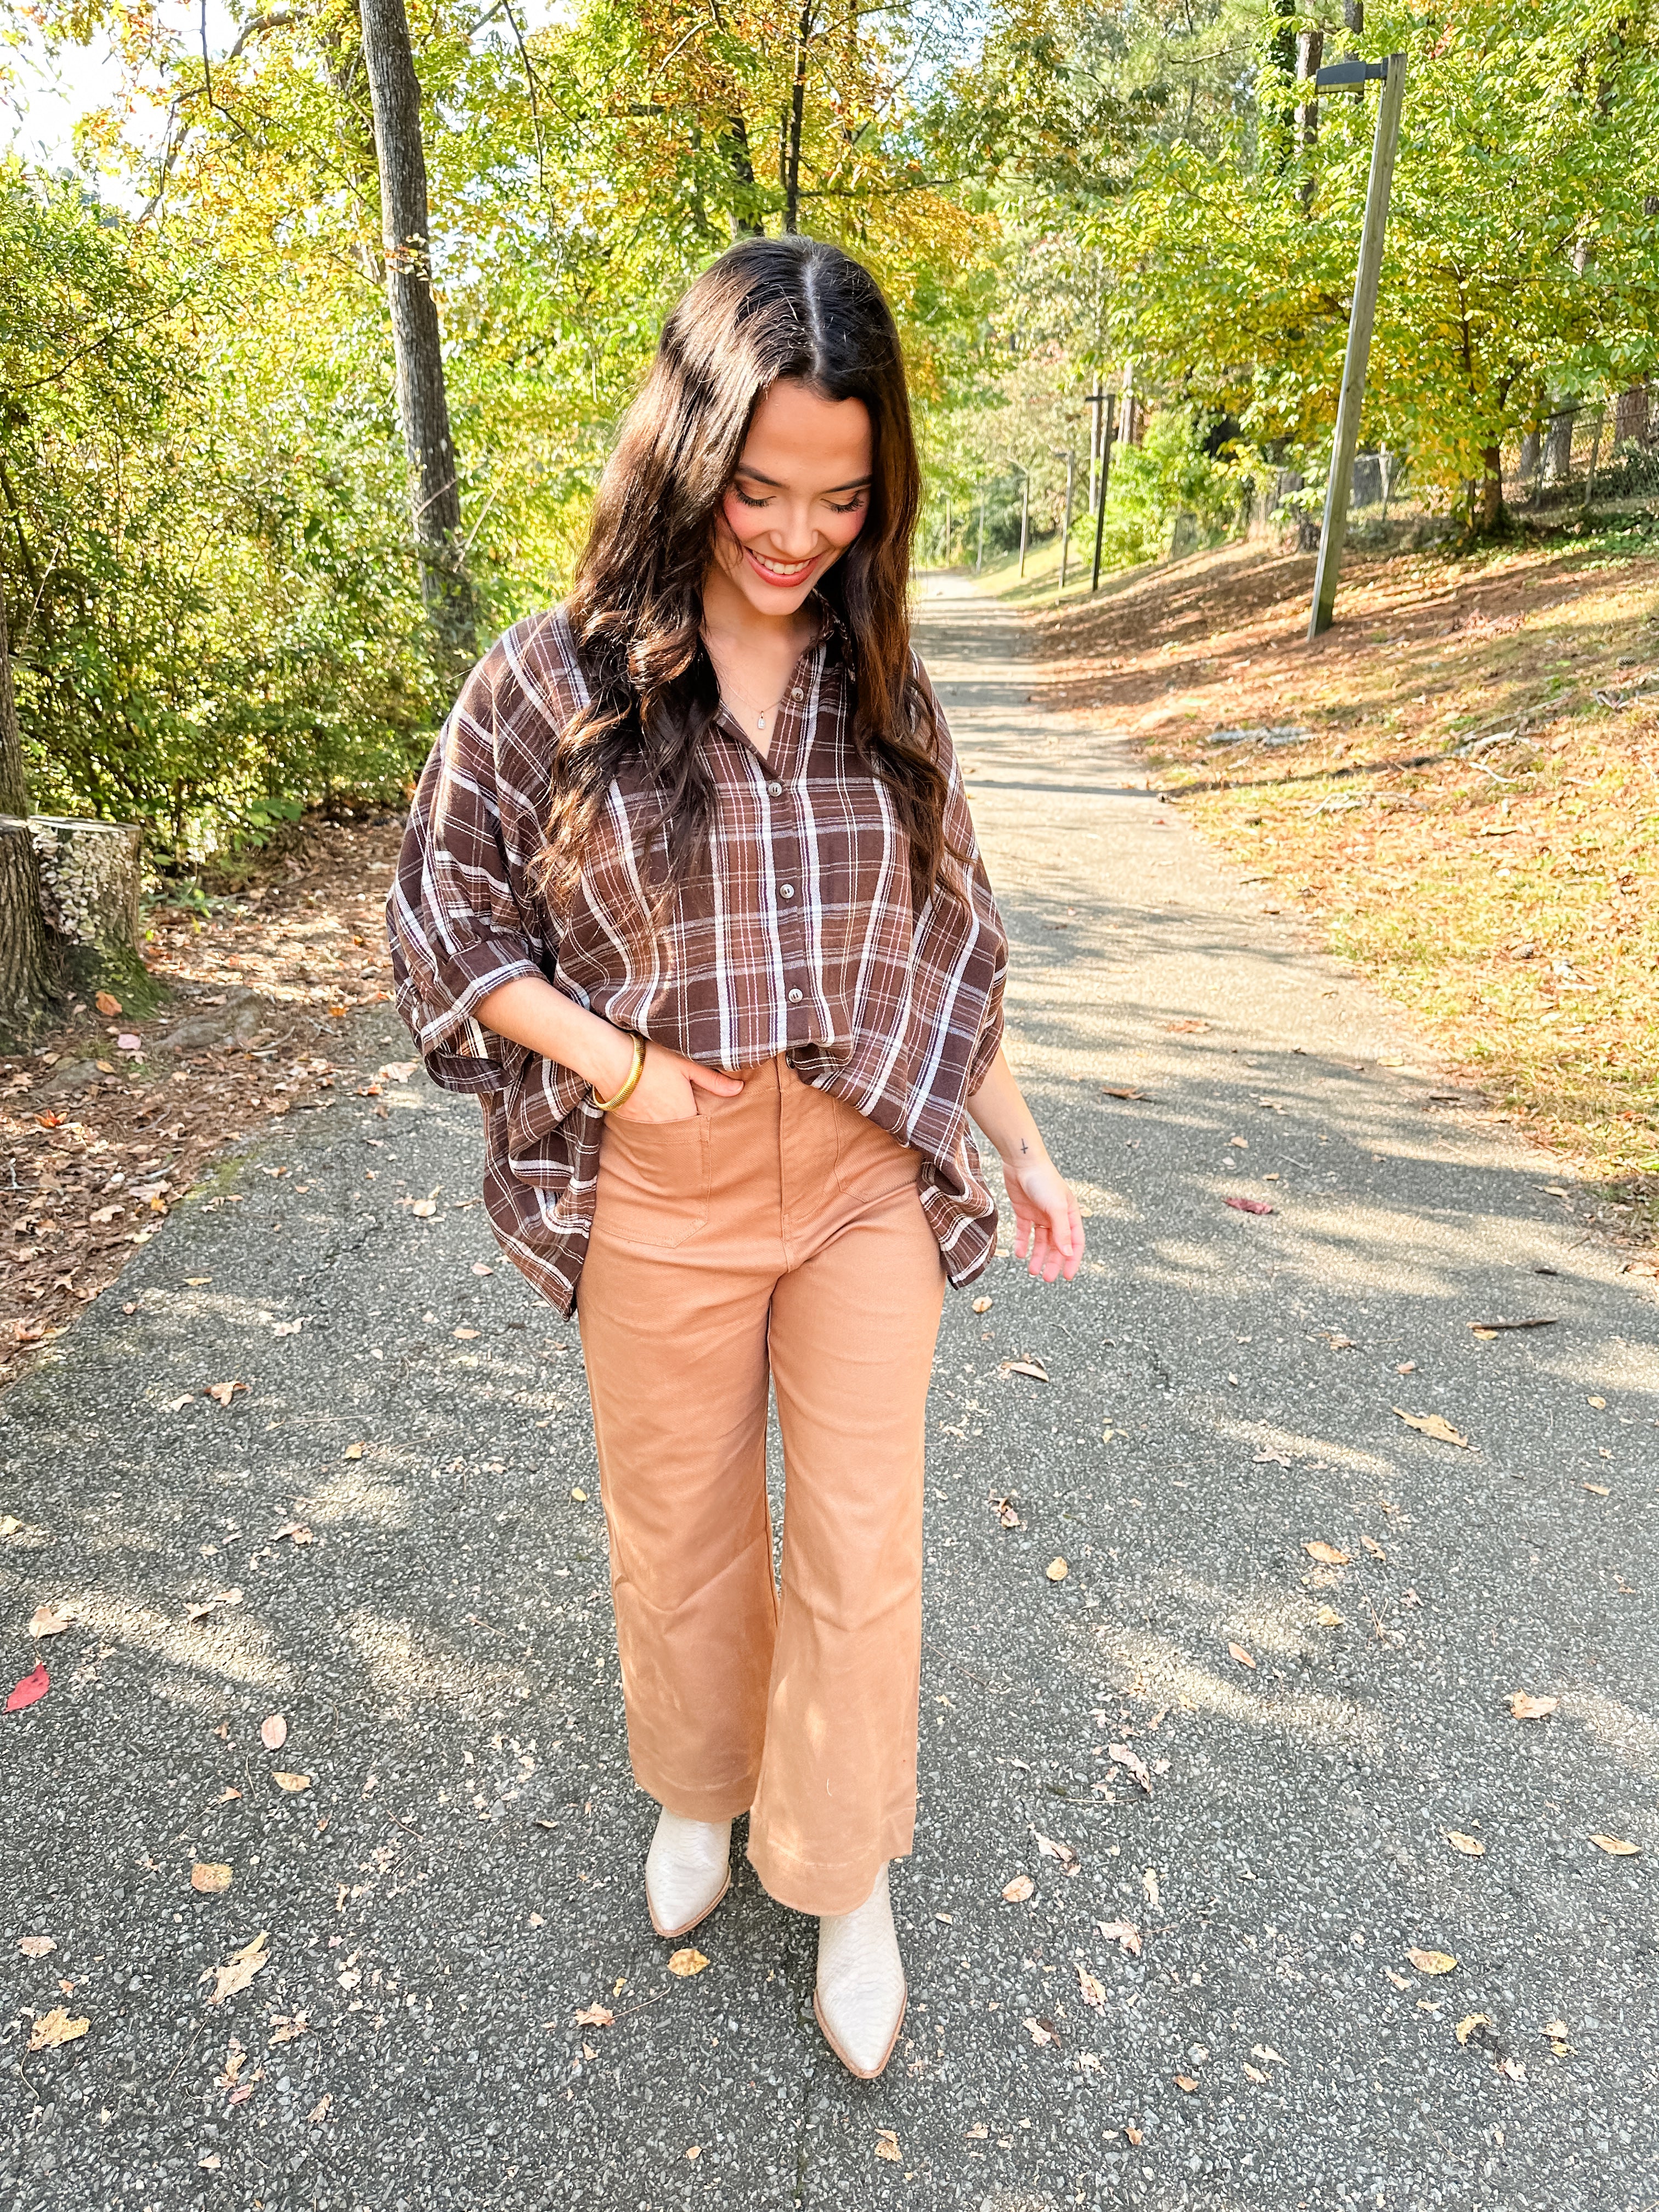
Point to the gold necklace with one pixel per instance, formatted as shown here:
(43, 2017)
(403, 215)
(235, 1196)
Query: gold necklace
(731, 694)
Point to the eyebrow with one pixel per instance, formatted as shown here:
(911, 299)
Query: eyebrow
(755, 477)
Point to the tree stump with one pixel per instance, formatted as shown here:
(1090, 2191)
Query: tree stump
(90, 877)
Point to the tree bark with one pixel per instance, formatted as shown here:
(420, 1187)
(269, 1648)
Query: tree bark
(734, 145)
(423, 400)
(1310, 54)
(26, 958)
(1353, 15)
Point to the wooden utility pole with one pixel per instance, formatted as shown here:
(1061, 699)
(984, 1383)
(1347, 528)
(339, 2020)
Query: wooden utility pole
(1362, 314)
(26, 960)
(979, 550)
(422, 401)
(1025, 513)
(1065, 453)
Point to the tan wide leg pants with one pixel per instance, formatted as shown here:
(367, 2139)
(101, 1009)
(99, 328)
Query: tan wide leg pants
(776, 1232)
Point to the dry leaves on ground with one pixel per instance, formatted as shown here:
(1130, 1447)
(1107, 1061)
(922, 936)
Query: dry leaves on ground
(36, 1947)
(1615, 1846)
(292, 1784)
(1018, 1889)
(50, 1620)
(1131, 1762)
(687, 1962)
(238, 1969)
(1432, 1424)
(1248, 1205)
(1237, 1651)
(1034, 1367)
(1470, 2023)
(29, 1692)
(887, 2145)
(1471, 1846)
(1526, 1707)
(594, 2015)
(1326, 1554)
(210, 1877)
(1069, 1860)
(1431, 1962)
(1039, 2030)
(1057, 1570)
(1090, 1989)
(56, 2027)
(1124, 1934)
(273, 1732)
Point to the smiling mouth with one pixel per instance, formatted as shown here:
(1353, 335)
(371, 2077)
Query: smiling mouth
(779, 572)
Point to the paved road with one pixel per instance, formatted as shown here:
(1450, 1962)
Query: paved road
(462, 1874)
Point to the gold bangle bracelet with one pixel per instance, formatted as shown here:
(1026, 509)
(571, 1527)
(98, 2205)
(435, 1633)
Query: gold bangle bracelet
(608, 1105)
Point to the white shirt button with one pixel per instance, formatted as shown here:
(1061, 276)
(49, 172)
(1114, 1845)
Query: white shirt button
(774, 791)
(786, 890)
(794, 998)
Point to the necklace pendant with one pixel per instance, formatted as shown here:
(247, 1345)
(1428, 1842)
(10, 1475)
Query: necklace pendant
(760, 721)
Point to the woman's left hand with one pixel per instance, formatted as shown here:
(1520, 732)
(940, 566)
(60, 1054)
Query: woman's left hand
(1047, 1228)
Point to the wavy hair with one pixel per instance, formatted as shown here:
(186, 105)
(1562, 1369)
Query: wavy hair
(790, 308)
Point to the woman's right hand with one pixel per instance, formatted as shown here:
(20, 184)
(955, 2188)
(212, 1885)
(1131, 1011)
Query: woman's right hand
(667, 1088)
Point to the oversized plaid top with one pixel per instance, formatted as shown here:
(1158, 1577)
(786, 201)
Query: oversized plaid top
(797, 937)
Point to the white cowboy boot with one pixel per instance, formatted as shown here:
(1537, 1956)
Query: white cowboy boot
(688, 1869)
(861, 1995)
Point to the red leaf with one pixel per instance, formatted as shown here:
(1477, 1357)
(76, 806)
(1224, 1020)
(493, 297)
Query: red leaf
(29, 1690)
(1248, 1205)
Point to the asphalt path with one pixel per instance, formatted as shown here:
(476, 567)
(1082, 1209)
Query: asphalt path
(1230, 1771)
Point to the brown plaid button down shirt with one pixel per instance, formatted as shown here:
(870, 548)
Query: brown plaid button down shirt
(798, 937)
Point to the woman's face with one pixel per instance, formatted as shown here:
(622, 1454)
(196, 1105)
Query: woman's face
(797, 498)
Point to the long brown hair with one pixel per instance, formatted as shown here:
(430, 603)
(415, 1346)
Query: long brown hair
(770, 308)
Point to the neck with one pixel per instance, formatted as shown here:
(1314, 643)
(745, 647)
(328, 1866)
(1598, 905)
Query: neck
(732, 624)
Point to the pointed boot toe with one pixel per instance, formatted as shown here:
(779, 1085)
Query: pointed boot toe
(688, 1870)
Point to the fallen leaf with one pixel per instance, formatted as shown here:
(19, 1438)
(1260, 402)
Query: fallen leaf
(1431, 1425)
(209, 2161)
(1492, 1328)
(50, 1620)
(1039, 2032)
(354, 1451)
(594, 2015)
(1107, 1090)
(1057, 1570)
(29, 1692)
(1018, 1889)
(1003, 1508)
(1470, 2021)
(1034, 1367)
(1599, 1403)
(238, 1969)
(981, 1306)
(694, 2150)
(1471, 1846)
(887, 2145)
(1134, 2134)
(1526, 1707)
(1237, 1651)
(1149, 1884)
(289, 2027)
(1400, 1981)
(1123, 1933)
(1329, 1617)
(1248, 1205)
(220, 1597)
(1185, 1028)
(1090, 1988)
(1511, 2068)
(1337, 1341)
(319, 2112)
(107, 1003)
(56, 2027)
(1373, 1547)
(224, 1392)
(1066, 1857)
(1185, 2082)
(1431, 1962)
(1132, 1763)
(210, 1877)
(424, 1208)
(579, 1494)
(288, 1328)
(1254, 2073)
(1555, 2029)
(466, 1335)
(1267, 2054)
(1326, 1554)
(1598, 1489)
(686, 1963)
(977, 2133)
(36, 1947)
(292, 1784)
(1615, 1846)
(480, 1267)
(273, 1732)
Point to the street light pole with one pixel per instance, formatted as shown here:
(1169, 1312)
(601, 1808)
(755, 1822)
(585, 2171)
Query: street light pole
(1105, 422)
(1345, 444)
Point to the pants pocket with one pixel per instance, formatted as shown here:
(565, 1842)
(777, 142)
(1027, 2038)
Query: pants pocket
(653, 1181)
(870, 1164)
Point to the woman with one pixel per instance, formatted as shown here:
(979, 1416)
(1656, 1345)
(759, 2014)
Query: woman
(690, 895)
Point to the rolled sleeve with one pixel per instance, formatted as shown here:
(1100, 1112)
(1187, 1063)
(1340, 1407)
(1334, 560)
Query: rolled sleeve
(457, 916)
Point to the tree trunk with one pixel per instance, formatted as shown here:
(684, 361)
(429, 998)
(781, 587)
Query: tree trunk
(797, 115)
(1489, 517)
(26, 958)
(422, 401)
(1630, 416)
(1310, 54)
(734, 145)
(1353, 15)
